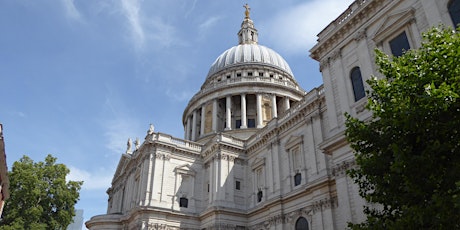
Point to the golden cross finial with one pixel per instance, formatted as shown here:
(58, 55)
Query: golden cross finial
(247, 10)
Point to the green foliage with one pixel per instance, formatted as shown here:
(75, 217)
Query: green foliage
(408, 155)
(40, 196)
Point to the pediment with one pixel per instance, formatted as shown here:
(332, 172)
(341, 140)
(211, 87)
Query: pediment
(258, 162)
(124, 160)
(293, 141)
(185, 169)
(393, 22)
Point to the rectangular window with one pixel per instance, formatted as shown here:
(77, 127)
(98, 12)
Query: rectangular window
(237, 185)
(238, 74)
(249, 73)
(261, 74)
(297, 179)
(183, 202)
(251, 123)
(237, 124)
(399, 45)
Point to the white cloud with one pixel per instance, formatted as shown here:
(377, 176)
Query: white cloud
(117, 133)
(295, 29)
(211, 21)
(100, 179)
(150, 28)
(191, 8)
(71, 11)
(131, 9)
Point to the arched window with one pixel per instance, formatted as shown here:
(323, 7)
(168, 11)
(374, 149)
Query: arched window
(357, 83)
(301, 224)
(454, 11)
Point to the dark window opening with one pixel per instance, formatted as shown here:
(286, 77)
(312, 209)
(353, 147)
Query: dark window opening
(454, 11)
(208, 187)
(183, 202)
(237, 124)
(399, 45)
(249, 73)
(238, 185)
(238, 74)
(251, 123)
(261, 74)
(271, 75)
(228, 76)
(357, 83)
(297, 179)
(301, 224)
(259, 196)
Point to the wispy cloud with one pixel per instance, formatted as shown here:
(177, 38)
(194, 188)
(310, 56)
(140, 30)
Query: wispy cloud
(18, 114)
(71, 11)
(209, 23)
(117, 133)
(100, 179)
(191, 8)
(131, 10)
(295, 29)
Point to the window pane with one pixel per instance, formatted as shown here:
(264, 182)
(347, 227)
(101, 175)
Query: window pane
(251, 123)
(301, 224)
(454, 11)
(357, 83)
(399, 44)
(259, 196)
(297, 179)
(237, 124)
(183, 202)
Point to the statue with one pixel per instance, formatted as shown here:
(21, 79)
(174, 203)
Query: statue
(247, 10)
(137, 143)
(129, 145)
(151, 129)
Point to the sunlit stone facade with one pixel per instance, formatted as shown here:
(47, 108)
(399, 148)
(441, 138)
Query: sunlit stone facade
(258, 151)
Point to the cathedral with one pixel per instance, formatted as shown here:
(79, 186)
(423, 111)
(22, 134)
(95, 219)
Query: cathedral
(258, 151)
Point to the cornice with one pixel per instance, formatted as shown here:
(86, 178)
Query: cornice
(333, 143)
(344, 26)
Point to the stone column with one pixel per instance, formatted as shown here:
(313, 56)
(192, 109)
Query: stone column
(203, 114)
(194, 125)
(274, 108)
(214, 115)
(187, 129)
(287, 104)
(243, 112)
(259, 110)
(229, 113)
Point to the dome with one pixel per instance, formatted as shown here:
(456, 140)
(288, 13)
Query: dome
(247, 54)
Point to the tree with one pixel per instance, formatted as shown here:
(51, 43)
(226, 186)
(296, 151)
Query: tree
(40, 196)
(408, 154)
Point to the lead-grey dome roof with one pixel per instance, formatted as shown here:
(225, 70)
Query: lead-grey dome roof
(247, 54)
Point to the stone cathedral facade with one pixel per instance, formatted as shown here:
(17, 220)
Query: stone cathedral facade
(259, 152)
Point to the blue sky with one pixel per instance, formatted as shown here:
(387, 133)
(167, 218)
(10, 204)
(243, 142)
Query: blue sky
(78, 78)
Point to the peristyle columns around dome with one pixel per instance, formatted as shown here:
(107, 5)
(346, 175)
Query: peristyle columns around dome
(241, 114)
